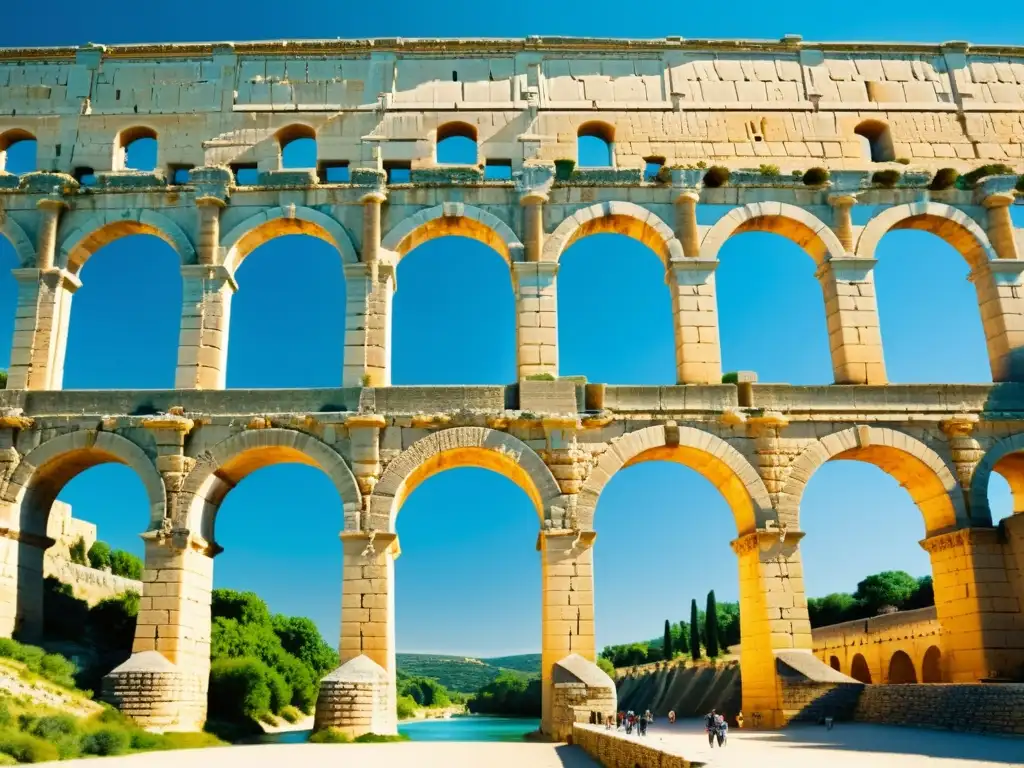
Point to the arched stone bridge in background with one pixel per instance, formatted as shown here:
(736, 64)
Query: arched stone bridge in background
(378, 110)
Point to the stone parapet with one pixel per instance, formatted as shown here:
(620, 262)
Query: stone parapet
(613, 750)
(976, 708)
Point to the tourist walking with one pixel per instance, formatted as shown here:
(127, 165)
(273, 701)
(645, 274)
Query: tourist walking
(671, 716)
(642, 730)
(629, 722)
(710, 726)
(721, 729)
(619, 717)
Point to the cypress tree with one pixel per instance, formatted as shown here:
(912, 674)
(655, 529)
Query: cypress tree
(711, 625)
(684, 644)
(667, 648)
(694, 632)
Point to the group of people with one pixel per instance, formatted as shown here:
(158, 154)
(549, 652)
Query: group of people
(716, 727)
(630, 720)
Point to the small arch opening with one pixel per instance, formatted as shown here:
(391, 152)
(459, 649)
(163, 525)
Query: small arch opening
(901, 669)
(18, 152)
(138, 148)
(859, 669)
(298, 147)
(931, 666)
(594, 145)
(456, 144)
(833, 662)
(876, 141)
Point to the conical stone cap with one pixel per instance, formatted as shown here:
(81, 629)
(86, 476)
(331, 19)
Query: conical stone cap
(146, 661)
(361, 669)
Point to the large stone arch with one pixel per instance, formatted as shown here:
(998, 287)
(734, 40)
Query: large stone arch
(251, 233)
(18, 239)
(463, 447)
(796, 224)
(230, 461)
(45, 470)
(859, 669)
(82, 234)
(1007, 458)
(454, 219)
(928, 478)
(949, 223)
(900, 670)
(724, 466)
(619, 218)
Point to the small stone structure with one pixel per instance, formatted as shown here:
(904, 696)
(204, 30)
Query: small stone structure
(357, 698)
(613, 750)
(900, 647)
(156, 693)
(978, 708)
(580, 690)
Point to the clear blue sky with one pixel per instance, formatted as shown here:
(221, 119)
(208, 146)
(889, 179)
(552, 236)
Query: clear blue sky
(663, 531)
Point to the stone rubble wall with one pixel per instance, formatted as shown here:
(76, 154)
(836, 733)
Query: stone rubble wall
(573, 703)
(616, 751)
(978, 708)
(89, 584)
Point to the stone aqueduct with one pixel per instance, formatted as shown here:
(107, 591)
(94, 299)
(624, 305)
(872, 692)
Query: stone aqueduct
(377, 106)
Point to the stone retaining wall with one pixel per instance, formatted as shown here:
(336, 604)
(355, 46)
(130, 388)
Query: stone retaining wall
(615, 751)
(89, 584)
(980, 708)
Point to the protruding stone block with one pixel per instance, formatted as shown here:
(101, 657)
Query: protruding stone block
(580, 688)
(357, 698)
(156, 693)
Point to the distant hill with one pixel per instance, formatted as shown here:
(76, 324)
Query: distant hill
(466, 674)
(524, 662)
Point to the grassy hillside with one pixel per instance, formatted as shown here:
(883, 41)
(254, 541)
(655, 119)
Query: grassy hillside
(466, 674)
(524, 662)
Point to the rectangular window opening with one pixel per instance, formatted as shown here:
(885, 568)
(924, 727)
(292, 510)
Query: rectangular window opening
(246, 174)
(333, 172)
(498, 170)
(178, 173)
(398, 171)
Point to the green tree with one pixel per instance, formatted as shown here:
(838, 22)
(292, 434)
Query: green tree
(694, 632)
(923, 596)
(606, 666)
(684, 643)
(300, 637)
(77, 552)
(243, 607)
(240, 690)
(728, 624)
(711, 626)
(666, 649)
(508, 694)
(833, 609)
(886, 588)
(125, 564)
(99, 555)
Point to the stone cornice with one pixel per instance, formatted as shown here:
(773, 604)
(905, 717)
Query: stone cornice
(490, 46)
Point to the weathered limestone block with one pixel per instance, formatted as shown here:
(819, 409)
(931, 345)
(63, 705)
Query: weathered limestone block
(156, 693)
(580, 688)
(614, 750)
(357, 698)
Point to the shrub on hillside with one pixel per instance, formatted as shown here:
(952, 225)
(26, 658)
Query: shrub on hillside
(406, 707)
(239, 689)
(290, 714)
(110, 740)
(26, 748)
(112, 621)
(51, 666)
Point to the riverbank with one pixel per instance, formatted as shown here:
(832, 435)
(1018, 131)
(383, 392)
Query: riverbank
(436, 713)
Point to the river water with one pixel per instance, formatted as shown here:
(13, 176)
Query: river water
(466, 728)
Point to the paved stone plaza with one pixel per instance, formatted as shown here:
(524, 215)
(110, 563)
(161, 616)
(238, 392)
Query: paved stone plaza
(811, 746)
(796, 747)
